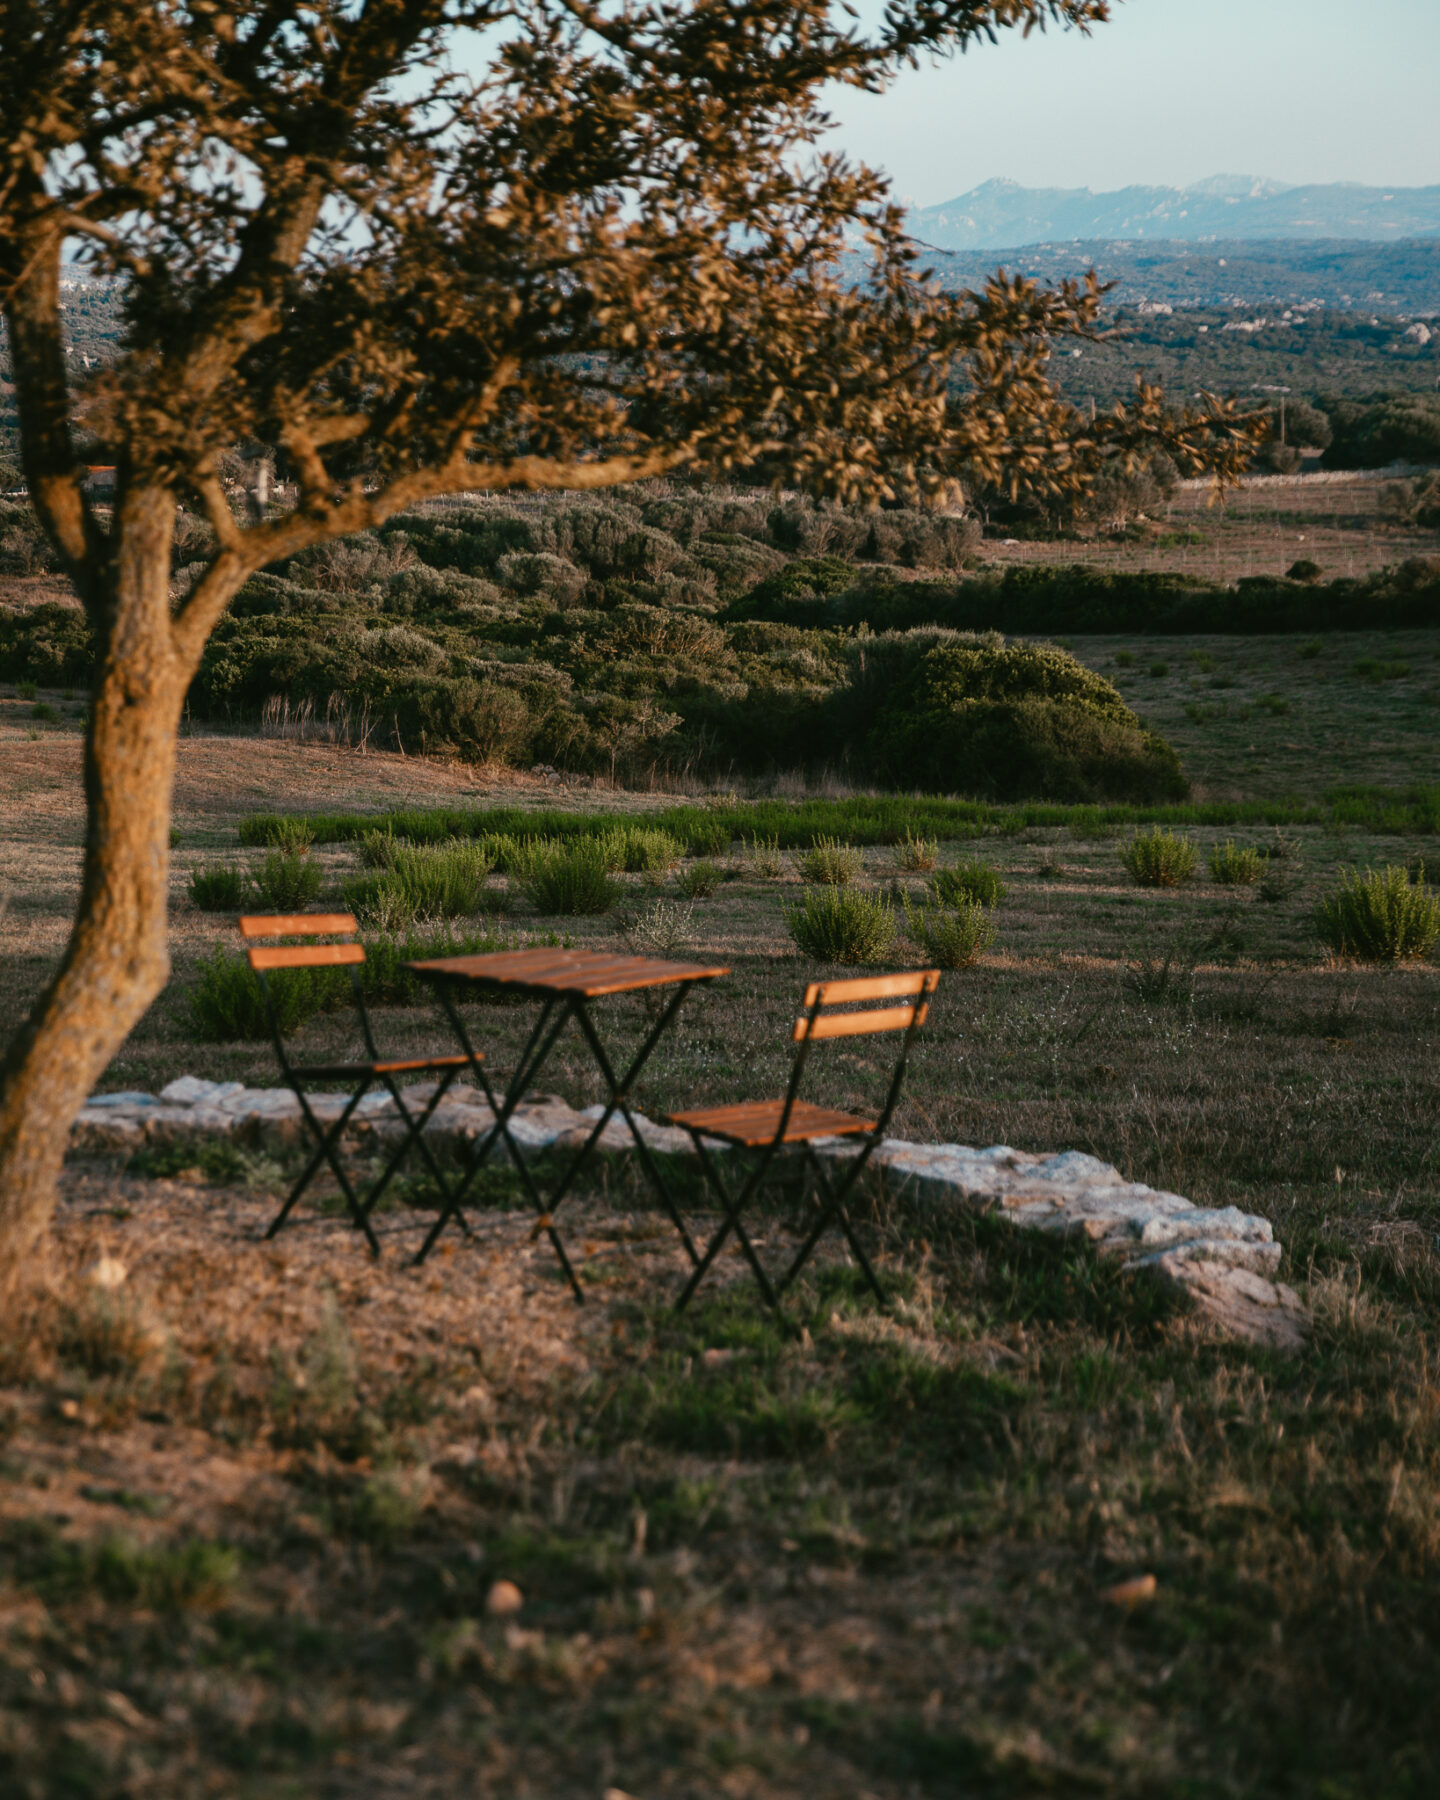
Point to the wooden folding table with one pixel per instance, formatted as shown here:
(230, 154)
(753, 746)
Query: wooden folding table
(565, 982)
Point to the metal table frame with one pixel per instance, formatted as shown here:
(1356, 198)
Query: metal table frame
(565, 983)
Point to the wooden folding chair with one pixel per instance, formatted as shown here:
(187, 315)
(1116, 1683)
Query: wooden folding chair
(264, 959)
(772, 1127)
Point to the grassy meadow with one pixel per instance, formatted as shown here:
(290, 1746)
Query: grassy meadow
(255, 1499)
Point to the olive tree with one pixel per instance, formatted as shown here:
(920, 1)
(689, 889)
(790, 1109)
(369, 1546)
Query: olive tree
(413, 247)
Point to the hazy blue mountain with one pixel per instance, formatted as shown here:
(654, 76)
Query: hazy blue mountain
(1001, 214)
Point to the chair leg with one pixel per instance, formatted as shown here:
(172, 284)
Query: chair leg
(732, 1222)
(327, 1152)
(415, 1126)
(833, 1210)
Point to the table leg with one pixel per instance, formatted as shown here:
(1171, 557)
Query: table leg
(532, 1059)
(619, 1102)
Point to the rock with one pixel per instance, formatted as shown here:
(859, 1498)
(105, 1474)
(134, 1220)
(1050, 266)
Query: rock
(190, 1090)
(1130, 1593)
(1222, 1259)
(107, 1272)
(1245, 1304)
(504, 1600)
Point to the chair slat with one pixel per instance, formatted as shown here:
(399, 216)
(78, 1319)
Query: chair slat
(304, 956)
(834, 1025)
(872, 987)
(296, 924)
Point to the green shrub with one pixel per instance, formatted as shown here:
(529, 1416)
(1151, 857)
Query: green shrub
(915, 854)
(1159, 668)
(25, 689)
(290, 833)
(1380, 916)
(569, 880)
(700, 880)
(377, 848)
(1124, 659)
(378, 901)
(227, 1006)
(44, 713)
(837, 925)
(386, 981)
(218, 887)
(951, 937)
(1159, 858)
(443, 882)
(642, 851)
(968, 883)
(288, 882)
(765, 858)
(1235, 867)
(999, 720)
(831, 863)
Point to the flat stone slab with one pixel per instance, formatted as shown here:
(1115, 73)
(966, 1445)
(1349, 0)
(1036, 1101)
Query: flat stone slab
(1221, 1258)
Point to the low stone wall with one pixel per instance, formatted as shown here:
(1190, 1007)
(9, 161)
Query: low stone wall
(1223, 1259)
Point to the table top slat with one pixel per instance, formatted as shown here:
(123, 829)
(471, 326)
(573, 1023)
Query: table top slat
(589, 973)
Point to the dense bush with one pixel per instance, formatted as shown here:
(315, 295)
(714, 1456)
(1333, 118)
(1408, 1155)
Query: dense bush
(227, 1005)
(218, 887)
(288, 882)
(953, 936)
(972, 882)
(831, 863)
(1380, 916)
(1371, 434)
(841, 925)
(1004, 721)
(569, 880)
(1159, 858)
(1232, 865)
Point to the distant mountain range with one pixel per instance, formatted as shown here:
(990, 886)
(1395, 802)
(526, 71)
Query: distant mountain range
(1001, 215)
(1390, 279)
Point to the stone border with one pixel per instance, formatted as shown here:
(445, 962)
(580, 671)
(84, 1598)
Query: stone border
(1222, 1259)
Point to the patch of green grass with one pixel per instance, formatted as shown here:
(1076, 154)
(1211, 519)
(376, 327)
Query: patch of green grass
(213, 1158)
(197, 1573)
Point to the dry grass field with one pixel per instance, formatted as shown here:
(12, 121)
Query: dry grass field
(1261, 528)
(254, 1498)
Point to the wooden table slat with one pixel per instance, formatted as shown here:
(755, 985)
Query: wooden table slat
(590, 973)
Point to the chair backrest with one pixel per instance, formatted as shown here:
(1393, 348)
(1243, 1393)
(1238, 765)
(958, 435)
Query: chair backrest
(265, 957)
(300, 956)
(912, 988)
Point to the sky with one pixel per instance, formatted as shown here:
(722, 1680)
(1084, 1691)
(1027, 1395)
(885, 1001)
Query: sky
(1168, 92)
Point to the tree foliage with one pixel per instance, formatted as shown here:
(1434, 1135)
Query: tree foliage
(408, 247)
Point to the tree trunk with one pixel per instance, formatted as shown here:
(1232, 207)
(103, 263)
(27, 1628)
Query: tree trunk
(118, 958)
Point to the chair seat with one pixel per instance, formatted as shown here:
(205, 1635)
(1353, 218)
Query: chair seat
(353, 1071)
(755, 1122)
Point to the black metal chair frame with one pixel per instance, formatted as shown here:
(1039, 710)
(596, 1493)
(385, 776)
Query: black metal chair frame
(543, 1039)
(869, 1135)
(376, 1072)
